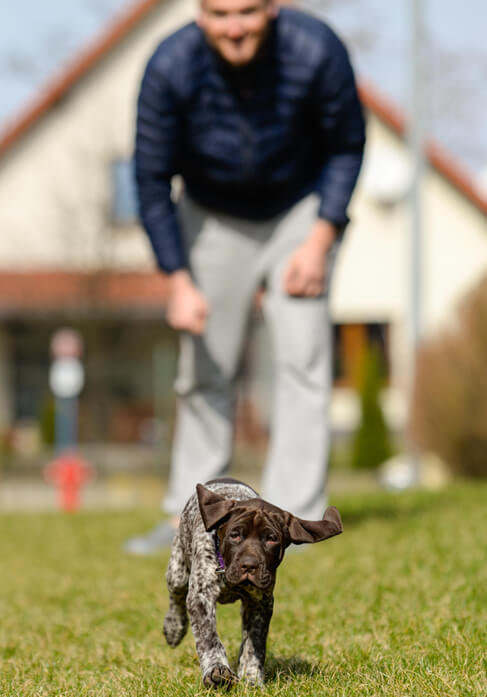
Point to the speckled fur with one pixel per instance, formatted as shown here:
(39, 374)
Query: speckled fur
(253, 535)
(195, 586)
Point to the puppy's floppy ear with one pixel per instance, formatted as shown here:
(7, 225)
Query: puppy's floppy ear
(213, 507)
(302, 531)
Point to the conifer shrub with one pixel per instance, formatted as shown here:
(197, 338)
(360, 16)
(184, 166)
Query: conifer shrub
(47, 421)
(371, 443)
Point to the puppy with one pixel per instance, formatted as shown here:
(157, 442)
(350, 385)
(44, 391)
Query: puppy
(228, 547)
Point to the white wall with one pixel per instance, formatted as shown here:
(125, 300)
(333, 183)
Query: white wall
(372, 278)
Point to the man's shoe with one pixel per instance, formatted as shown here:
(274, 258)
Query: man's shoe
(151, 543)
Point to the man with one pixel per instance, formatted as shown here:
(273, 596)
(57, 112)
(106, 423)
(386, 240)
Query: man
(256, 108)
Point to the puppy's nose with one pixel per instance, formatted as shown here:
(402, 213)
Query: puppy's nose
(248, 565)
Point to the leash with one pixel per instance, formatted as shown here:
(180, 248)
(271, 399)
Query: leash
(221, 563)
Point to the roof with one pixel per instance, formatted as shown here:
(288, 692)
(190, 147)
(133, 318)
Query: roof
(40, 292)
(439, 157)
(372, 52)
(99, 27)
(379, 34)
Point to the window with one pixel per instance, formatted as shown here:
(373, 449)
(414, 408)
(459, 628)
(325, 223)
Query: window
(124, 196)
(350, 343)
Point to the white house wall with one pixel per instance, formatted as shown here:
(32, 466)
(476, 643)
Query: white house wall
(55, 193)
(372, 277)
(455, 251)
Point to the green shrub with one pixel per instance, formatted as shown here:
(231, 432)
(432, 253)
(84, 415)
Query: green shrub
(47, 421)
(371, 443)
(449, 407)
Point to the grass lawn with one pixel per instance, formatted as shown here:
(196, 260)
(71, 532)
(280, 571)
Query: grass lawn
(396, 606)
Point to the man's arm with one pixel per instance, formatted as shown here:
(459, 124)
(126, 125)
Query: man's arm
(156, 153)
(158, 139)
(187, 308)
(305, 272)
(343, 131)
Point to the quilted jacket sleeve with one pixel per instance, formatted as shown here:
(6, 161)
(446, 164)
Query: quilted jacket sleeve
(343, 128)
(156, 154)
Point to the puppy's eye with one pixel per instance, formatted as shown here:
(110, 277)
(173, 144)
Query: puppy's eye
(271, 539)
(235, 535)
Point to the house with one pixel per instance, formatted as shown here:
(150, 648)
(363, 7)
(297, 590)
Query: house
(72, 254)
(68, 254)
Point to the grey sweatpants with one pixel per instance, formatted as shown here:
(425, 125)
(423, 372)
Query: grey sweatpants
(229, 258)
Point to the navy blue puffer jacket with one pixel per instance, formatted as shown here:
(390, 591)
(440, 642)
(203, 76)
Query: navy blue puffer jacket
(248, 142)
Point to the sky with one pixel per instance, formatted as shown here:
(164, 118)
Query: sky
(37, 38)
(378, 33)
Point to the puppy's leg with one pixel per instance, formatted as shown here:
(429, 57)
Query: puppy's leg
(203, 592)
(176, 620)
(256, 617)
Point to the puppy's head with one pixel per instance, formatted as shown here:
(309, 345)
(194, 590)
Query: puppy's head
(254, 534)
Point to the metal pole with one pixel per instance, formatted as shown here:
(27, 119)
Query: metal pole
(417, 141)
(417, 138)
(66, 428)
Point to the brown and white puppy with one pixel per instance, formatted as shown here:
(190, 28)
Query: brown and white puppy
(228, 547)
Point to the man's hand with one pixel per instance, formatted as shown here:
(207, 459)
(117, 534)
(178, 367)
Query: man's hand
(187, 308)
(305, 272)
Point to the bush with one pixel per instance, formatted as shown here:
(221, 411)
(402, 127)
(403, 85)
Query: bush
(449, 406)
(47, 421)
(371, 444)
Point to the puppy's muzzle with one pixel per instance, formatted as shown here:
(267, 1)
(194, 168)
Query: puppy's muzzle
(251, 570)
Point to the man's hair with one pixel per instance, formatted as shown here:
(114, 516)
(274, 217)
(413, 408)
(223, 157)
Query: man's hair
(265, 2)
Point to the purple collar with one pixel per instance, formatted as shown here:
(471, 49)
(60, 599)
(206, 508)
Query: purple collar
(221, 563)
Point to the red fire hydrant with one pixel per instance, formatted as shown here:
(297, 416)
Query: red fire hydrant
(69, 472)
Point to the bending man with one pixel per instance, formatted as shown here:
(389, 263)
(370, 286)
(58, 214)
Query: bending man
(256, 108)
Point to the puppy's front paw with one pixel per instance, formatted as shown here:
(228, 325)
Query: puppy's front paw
(219, 675)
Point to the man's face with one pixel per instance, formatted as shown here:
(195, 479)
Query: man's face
(236, 28)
